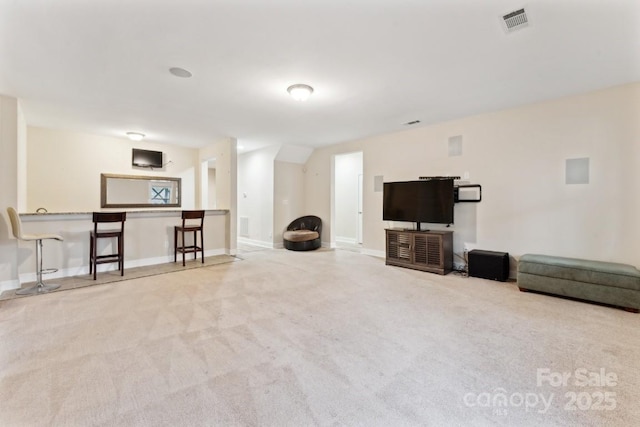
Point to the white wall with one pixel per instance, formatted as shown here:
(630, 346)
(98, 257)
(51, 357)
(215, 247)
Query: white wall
(288, 197)
(518, 156)
(211, 189)
(255, 192)
(9, 193)
(64, 168)
(271, 191)
(225, 152)
(22, 161)
(347, 169)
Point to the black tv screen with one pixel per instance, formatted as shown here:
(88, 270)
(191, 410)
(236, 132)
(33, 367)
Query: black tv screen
(419, 201)
(146, 158)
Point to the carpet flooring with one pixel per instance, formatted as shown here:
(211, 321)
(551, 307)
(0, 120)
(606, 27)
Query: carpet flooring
(327, 337)
(112, 275)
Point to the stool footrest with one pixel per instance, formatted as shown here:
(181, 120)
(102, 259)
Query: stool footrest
(49, 270)
(104, 259)
(188, 249)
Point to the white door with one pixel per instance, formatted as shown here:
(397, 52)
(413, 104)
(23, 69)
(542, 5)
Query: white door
(359, 224)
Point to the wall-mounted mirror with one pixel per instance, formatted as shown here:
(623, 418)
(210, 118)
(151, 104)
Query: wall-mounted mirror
(135, 191)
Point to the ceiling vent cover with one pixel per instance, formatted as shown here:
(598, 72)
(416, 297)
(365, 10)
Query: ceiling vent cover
(515, 20)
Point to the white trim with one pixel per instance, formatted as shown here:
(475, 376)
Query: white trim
(84, 269)
(260, 243)
(371, 252)
(8, 285)
(350, 240)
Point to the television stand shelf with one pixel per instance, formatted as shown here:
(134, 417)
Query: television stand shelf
(430, 250)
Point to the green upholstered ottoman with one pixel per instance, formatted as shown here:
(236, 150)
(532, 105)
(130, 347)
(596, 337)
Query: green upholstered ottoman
(598, 281)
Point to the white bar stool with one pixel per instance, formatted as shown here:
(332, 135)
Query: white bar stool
(16, 226)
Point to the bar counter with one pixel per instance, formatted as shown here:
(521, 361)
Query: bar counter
(148, 240)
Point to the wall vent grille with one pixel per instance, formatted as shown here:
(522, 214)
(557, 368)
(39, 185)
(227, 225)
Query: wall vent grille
(244, 226)
(515, 20)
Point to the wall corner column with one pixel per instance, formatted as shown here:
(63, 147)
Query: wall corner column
(9, 145)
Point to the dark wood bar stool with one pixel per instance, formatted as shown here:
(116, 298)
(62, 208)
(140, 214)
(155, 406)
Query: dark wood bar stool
(98, 233)
(190, 223)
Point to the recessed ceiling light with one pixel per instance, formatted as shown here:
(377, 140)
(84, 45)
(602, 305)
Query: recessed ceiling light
(180, 72)
(300, 92)
(135, 136)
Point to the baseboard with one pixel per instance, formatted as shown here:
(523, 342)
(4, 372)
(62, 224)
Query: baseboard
(259, 243)
(8, 285)
(371, 252)
(84, 269)
(349, 240)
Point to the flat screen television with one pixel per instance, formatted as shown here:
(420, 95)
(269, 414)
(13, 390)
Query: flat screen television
(429, 201)
(146, 158)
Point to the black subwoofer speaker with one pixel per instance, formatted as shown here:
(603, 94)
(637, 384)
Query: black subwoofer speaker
(489, 265)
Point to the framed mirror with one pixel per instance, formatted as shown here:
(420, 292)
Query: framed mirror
(136, 191)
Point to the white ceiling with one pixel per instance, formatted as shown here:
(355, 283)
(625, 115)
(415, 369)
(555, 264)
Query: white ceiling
(101, 66)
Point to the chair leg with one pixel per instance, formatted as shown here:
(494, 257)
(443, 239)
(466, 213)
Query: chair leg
(121, 254)
(39, 287)
(90, 254)
(183, 263)
(195, 244)
(94, 247)
(175, 244)
(202, 244)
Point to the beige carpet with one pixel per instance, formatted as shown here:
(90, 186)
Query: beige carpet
(313, 338)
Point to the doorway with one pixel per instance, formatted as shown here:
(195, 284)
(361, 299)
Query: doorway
(348, 173)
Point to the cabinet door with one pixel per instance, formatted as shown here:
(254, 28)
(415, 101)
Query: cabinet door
(399, 246)
(427, 249)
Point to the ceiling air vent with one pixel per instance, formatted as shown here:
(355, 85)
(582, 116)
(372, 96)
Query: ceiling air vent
(515, 20)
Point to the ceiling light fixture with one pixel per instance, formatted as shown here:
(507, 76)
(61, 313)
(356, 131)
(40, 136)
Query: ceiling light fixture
(180, 72)
(300, 92)
(135, 136)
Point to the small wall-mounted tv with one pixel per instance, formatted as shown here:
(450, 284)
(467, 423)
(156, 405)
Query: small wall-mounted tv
(429, 201)
(146, 158)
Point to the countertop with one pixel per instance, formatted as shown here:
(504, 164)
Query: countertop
(43, 216)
